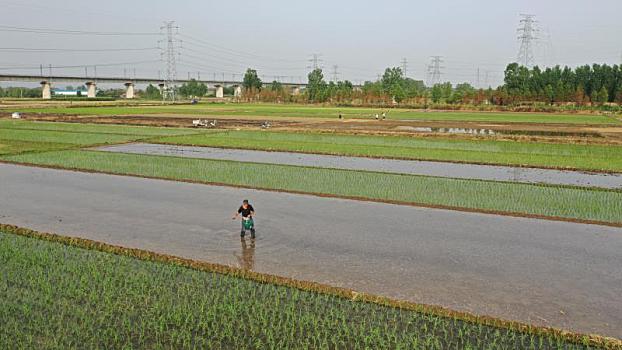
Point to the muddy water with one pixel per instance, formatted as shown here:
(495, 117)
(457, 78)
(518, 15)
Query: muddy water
(491, 132)
(465, 171)
(544, 272)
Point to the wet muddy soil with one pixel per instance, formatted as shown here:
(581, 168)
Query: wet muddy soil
(458, 129)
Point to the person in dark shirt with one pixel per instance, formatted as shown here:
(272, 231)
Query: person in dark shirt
(247, 212)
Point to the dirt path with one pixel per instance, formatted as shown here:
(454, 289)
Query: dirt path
(567, 133)
(544, 272)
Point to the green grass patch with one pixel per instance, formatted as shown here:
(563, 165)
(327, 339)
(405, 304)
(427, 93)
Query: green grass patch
(272, 110)
(14, 147)
(64, 137)
(94, 128)
(577, 203)
(585, 157)
(59, 296)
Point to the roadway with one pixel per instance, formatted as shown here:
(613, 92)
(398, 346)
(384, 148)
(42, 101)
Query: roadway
(543, 272)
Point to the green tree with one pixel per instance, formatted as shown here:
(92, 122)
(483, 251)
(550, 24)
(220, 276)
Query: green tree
(276, 86)
(549, 93)
(461, 92)
(392, 77)
(601, 97)
(251, 80)
(193, 88)
(436, 93)
(152, 92)
(316, 87)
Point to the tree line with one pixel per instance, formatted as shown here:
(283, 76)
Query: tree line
(597, 84)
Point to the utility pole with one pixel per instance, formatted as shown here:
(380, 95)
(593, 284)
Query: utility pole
(434, 70)
(404, 64)
(172, 43)
(41, 69)
(527, 34)
(335, 73)
(316, 61)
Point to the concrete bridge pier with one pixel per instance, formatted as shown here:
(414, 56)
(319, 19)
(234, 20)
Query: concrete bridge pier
(161, 86)
(237, 91)
(129, 90)
(220, 92)
(46, 90)
(296, 91)
(91, 89)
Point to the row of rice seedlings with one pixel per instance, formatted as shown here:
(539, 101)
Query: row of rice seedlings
(59, 296)
(594, 205)
(95, 128)
(63, 137)
(563, 155)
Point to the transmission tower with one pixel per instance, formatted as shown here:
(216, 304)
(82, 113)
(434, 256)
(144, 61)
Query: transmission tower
(527, 34)
(404, 65)
(434, 70)
(335, 73)
(316, 61)
(172, 44)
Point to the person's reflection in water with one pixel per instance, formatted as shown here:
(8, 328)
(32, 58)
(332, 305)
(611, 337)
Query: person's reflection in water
(247, 260)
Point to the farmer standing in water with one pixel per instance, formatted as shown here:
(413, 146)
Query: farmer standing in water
(247, 211)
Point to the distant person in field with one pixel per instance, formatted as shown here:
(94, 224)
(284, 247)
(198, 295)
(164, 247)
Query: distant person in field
(247, 212)
(340, 115)
(377, 116)
(384, 115)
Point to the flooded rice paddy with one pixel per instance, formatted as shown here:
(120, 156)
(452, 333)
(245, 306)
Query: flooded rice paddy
(543, 272)
(498, 132)
(426, 168)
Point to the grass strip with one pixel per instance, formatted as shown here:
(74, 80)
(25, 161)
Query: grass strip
(289, 111)
(94, 128)
(62, 291)
(64, 137)
(8, 147)
(547, 155)
(591, 205)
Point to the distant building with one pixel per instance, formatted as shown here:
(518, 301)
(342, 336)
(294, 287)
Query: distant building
(60, 92)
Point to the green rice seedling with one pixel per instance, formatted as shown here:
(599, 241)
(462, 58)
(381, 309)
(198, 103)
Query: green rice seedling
(498, 197)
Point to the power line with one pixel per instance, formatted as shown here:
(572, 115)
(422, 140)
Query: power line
(4, 28)
(527, 35)
(28, 49)
(83, 65)
(212, 46)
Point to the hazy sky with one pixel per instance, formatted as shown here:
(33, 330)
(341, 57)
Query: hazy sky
(277, 36)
